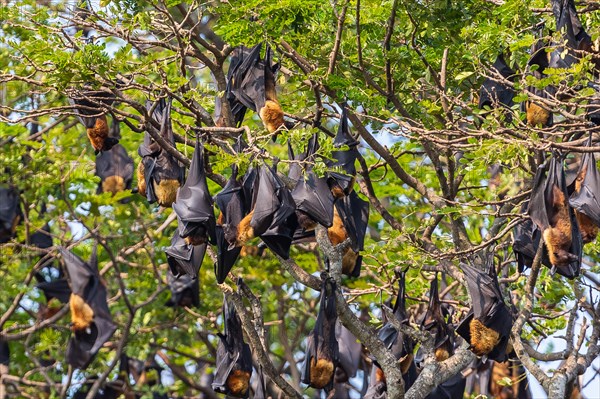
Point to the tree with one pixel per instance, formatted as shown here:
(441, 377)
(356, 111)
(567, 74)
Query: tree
(410, 76)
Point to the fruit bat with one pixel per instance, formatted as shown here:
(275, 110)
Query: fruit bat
(313, 198)
(238, 110)
(494, 93)
(115, 169)
(271, 216)
(487, 325)
(550, 211)
(4, 353)
(349, 354)
(526, 239)
(89, 109)
(350, 219)
(184, 258)
(402, 346)
(585, 200)
(253, 85)
(55, 290)
(322, 351)
(10, 213)
(230, 201)
(194, 204)
(434, 321)
(185, 290)
(234, 359)
(90, 317)
(159, 174)
(342, 182)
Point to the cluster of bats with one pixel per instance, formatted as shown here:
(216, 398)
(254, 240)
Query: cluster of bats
(564, 214)
(564, 210)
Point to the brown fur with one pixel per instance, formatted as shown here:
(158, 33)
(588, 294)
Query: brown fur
(113, 184)
(337, 192)
(321, 372)
(441, 354)
(589, 229)
(249, 250)
(305, 221)
(141, 180)
(99, 133)
(238, 383)
(166, 192)
(349, 261)
(483, 339)
(220, 219)
(245, 231)
(405, 363)
(379, 375)
(271, 115)
(82, 314)
(195, 240)
(337, 232)
(558, 236)
(537, 115)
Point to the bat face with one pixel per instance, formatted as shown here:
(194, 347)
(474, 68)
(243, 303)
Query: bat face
(253, 84)
(550, 211)
(435, 322)
(163, 174)
(184, 258)
(584, 199)
(194, 205)
(234, 359)
(185, 290)
(115, 169)
(322, 351)
(488, 324)
(342, 183)
(10, 212)
(91, 319)
(494, 93)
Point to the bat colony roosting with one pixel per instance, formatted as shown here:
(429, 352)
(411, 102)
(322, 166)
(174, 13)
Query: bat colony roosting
(564, 215)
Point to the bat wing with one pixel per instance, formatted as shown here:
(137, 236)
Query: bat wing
(493, 92)
(313, 196)
(80, 273)
(526, 239)
(540, 202)
(484, 291)
(4, 353)
(266, 202)
(344, 159)
(184, 258)
(226, 257)
(89, 106)
(434, 321)
(248, 80)
(149, 169)
(194, 204)
(238, 109)
(248, 187)
(279, 237)
(9, 210)
(148, 148)
(42, 238)
(350, 351)
(587, 200)
(261, 386)
(58, 289)
(183, 288)
(354, 211)
(454, 388)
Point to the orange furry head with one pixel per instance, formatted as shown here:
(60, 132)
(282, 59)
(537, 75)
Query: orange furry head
(271, 115)
(113, 184)
(141, 179)
(337, 232)
(166, 192)
(238, 383)
(82, 314)
(483, 339)
(537, 115)
(321, 372)
(245, 232)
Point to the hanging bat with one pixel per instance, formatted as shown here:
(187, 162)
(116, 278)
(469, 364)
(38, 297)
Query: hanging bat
(230, 201)
(550, 211)
(162, 173)
(185, 290)
(91, 321)
(115, 169)
(10, 213)
(350, 351)
(90, 111)
(270, 217)
(322, 351)
(4, 353)
(350, 219)
(526, 239)
(234, 359)
(434, 321)
(585, 200)
(253, 85)
(238, 110)
(55, 291)
(494, 93)
(342, 182)
(184, 258)
(194, 204)
(487, 325)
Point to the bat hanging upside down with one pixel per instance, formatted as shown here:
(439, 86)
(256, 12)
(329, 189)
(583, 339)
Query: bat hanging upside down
(558, 236)
(588, 228)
